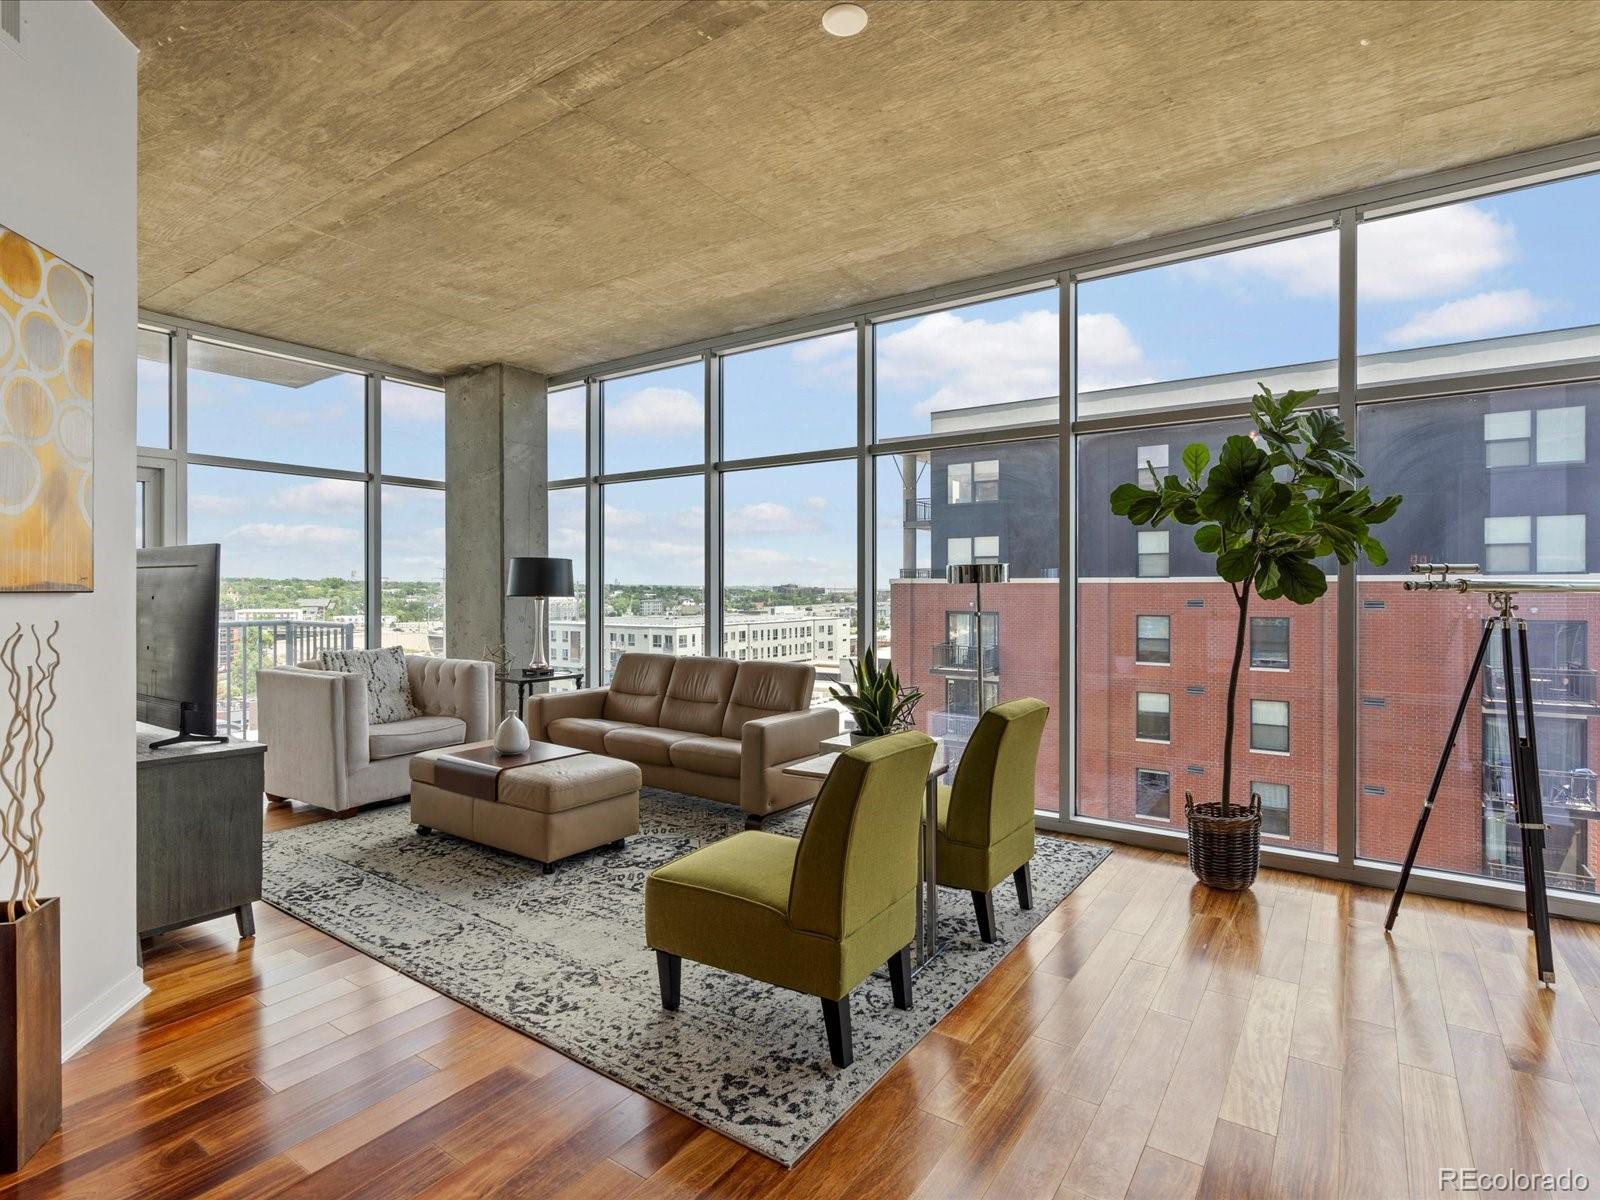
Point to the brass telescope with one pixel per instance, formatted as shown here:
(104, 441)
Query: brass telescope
(1516, 711)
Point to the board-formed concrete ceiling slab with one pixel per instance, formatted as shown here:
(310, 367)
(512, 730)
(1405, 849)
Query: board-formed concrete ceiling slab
(558, 183)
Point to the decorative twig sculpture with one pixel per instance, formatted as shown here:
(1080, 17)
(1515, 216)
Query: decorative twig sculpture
(29, 741)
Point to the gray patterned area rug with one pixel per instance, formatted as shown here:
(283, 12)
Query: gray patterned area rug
(562, 958)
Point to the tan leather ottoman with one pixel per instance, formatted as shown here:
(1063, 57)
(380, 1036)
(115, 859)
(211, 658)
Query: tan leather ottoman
(544, 811)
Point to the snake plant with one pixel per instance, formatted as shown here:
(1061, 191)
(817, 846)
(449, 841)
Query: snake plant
(877, 701)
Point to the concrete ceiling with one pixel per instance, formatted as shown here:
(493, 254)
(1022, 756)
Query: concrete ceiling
(556, 184)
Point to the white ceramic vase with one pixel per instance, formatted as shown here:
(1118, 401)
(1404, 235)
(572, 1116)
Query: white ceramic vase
(512, 736)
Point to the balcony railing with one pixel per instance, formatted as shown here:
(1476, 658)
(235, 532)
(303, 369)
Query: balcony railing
(963, 656)
(919, 511)
(1551, 685)
(1566, 789)
(1564, 880)
(245, 647)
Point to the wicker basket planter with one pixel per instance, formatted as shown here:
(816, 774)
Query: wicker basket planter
(1224, 851)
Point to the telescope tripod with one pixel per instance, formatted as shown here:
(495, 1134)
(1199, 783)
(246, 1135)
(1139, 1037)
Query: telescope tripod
(1527, 798)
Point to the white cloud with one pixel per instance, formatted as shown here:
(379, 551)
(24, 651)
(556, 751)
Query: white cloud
(277, 535)
(654, 412)
(972, 361)
(566, 410)
(1108, 354)
(816, 503)
(769, 518)
(1478, 316)
(1428, 253)
(320, 496)
(209, 504)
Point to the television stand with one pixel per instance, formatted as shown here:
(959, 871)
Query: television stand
(185, 734)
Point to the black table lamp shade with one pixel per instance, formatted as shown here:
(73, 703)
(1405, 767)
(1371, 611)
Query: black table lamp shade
(539, 577)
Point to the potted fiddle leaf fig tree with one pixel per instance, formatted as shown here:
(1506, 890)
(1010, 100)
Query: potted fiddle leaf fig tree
(1271, 505)
(878, 702)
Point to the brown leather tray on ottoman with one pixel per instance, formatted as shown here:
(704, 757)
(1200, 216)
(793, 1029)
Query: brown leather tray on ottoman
(544, 811)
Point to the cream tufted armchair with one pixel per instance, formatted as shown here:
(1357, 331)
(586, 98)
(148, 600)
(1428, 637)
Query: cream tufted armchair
(322, 750)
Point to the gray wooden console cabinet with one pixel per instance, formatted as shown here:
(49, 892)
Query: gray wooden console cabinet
(199, 834)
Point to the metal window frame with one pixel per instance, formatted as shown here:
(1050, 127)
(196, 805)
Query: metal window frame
(174, 462)
(1340, 214)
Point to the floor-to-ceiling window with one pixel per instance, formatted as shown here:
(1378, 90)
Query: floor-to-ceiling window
(1508, 477)
(1458, 342)
(963, 376)
(1164, 345)
(323, 481)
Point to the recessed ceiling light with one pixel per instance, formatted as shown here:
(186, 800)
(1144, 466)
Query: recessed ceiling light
(845, 20)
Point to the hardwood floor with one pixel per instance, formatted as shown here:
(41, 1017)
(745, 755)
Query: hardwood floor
(1149, 1039)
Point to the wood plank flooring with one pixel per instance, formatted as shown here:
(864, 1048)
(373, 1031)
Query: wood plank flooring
(1149, 1039)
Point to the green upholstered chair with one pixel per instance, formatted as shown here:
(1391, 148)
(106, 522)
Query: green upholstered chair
(817, 914)
(986, 815)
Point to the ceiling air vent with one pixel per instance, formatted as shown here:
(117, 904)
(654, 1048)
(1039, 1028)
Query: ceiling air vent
(11, 22)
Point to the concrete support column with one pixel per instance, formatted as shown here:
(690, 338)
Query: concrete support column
(496, 463)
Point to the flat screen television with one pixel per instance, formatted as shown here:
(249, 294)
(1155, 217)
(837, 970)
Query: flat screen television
(178, 589)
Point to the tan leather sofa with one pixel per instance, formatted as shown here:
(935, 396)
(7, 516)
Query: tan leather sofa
(710, 727)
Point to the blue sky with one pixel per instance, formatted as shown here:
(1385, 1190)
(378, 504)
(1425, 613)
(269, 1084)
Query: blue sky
(1514, 263)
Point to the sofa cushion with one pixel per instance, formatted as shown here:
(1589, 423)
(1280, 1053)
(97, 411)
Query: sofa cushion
(384, 673)
(643, 744)
(764, 689)
(709, 756)
(638, 683)
(567, 783)
(394, 738)
(697, 696)
(586, 733)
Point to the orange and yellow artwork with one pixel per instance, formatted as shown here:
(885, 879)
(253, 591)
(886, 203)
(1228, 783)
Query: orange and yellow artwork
(46, 421)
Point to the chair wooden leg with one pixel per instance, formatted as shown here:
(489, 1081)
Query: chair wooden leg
(669, 969)
(983, 904)
(1023, 877)
(900, 977)
(836, 1016)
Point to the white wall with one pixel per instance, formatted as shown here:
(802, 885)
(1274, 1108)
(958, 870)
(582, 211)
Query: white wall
(68, 136)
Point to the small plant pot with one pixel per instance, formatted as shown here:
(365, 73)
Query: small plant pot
(30, 1032)
(1224, 851)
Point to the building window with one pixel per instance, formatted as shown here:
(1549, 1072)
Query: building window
(1505, 438)
(1152, 794)
(1153, 640)
(1507, 544)
(1274, 808)
(973, 482)
(1269, 726)
(1269, 643)
(1153, 557)
(986, 479)
(961, 550)
(1560, 544)
(1150, 458)
(1560, 436)
(1551, 435)
(959, 482)
(1153, 721)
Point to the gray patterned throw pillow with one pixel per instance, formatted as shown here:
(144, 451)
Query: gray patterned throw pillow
(388, 685)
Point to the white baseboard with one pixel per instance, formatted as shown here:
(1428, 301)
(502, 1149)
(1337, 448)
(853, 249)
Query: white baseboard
(89, 1022)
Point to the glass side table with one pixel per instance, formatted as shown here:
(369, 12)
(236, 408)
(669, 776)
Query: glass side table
(525, 681)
